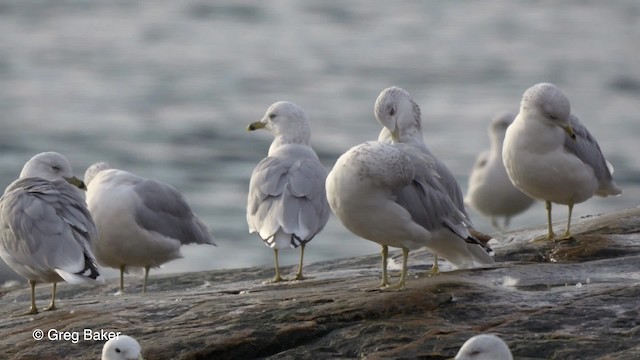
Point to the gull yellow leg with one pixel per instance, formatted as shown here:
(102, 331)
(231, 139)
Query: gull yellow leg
(547, 206)
(33, 309)
(567, 231)
(52, 305)
(299, 273)
(435, 270)
(403, 275)
(277, 278)
(146, 276)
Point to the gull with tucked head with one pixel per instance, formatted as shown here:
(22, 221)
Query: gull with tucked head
(391, 194)
(141, 222)
(400, 115)
(490, 191)
(46, 231)
(287, 205)
(550, 156)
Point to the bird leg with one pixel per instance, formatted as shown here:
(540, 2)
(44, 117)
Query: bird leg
(385, 278)
(435, 270)
(146, 276)
(547, 206)
(403, 275)
(277, 278)
(52, 305)
(567, 232)
(122, 278)
(34, 309)
(299, 273)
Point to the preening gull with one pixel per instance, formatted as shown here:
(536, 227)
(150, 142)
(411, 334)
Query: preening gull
(490, 191)
(122, 347)
(287, 205)
(484, 347)
(46, 229)
(391, 194)
(400, 115)
(141, 222)
(550, 156)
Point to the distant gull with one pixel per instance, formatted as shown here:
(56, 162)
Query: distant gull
(490, 190)
(46, 229)
(141, 222)
(287, 204)
(391, 194)
(550, 156)
(400, 115)
(122, 347)
(484, 347)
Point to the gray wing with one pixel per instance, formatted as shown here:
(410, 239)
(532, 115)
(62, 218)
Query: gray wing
(288, 194)
(586, 148)
(426, 199)
(164, 210)
(46, 225)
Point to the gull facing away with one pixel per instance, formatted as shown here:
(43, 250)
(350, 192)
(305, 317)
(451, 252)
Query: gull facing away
(491, 192)
(550, 156)
(122, 347)
(400, 115)
(391, 194)
(46, 229)
(287, 204)
(141, 222)
(484, 347)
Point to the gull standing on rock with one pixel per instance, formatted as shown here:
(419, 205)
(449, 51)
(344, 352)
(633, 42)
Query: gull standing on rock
(46, 229)
(490, 191)
(550, 156)
(141, 222)
(400, 115)
(287, 204)
(391, 194)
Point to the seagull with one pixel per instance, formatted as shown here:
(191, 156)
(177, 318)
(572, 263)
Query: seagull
(287, 204)
(490, 190)
(392, 195)
(551, 156)
(122, 347)
(141, 222)
(401, 119)
(46, 231)
(484, 347)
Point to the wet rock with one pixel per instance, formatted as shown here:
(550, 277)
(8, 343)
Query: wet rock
(570, 299)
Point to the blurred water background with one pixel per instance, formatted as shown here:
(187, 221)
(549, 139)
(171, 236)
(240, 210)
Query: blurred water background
(165, 89)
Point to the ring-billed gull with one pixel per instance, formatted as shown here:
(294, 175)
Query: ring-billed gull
(122, 347)
(287, 205)
(490, 191)
(141, 222)
(391, 194)
(484, 347)
(550, 156)
(400, 115)
(47, 230)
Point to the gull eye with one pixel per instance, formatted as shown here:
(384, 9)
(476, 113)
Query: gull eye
(118, 350)
(392, 112)
(272, 115)
(56, 168)
(552, 117)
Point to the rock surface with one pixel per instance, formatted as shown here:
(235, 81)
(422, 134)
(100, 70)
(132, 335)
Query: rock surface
(571, 299)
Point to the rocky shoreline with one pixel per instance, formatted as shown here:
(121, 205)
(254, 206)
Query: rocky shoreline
(571, 299)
